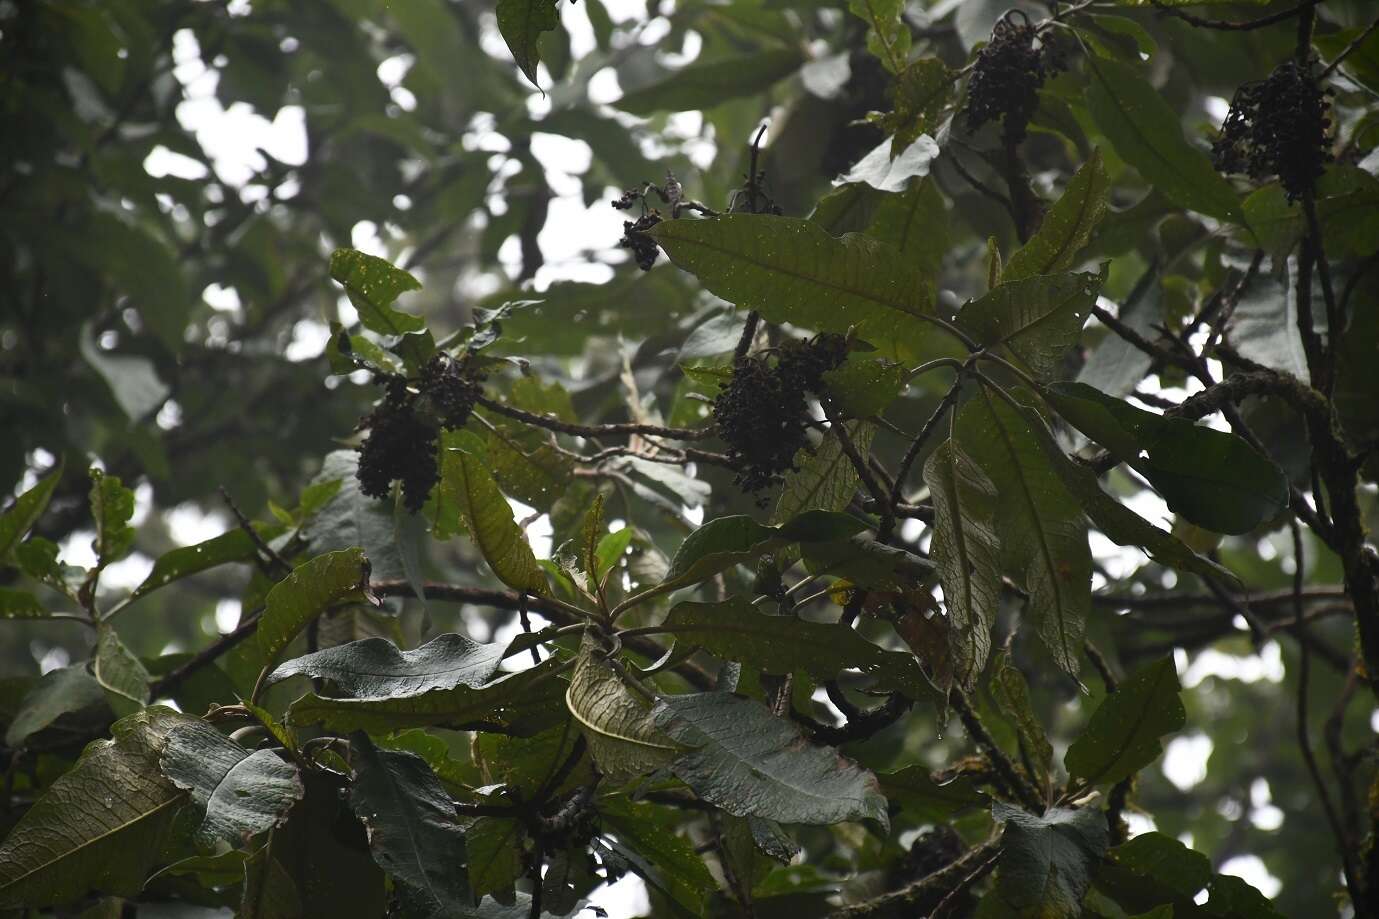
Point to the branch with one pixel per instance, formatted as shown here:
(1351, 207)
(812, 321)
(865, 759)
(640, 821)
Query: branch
(1230, 26)
(593, 430)
(950, 877)
(1023, 790)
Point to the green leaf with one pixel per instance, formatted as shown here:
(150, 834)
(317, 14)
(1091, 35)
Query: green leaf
(923, 92)
(1347, 202)
(1123, 734)
(888, 35)
(67, 700)
(1147, 133)
(861, 389)
(615, 720)
(494, 847)
(101, 826)
(375, 667)
(1033, 320)
(241, 793)
(232, 546)
(1151, 870)
(521, 23)
(750, 763)
(1117, 522)
(791, 270)
(1362, 63)
(1042, 530)
(133, 379)
(120, 673)
(413, 830)
(1011, 692)
(715, 547)
(1214, 479)
(112, 506)
(373, 284)
(524, 459)
(650, 832)
(311, 589)
(20, 517)
(1047, 862)
(915, 221)
(526, 764)
(1066, 227)
(466, 481)
(734, 630)
(348, 518)
(523, 702)
(705, 84)
(20, 604)
(966, 550)
(915, 790)
(825, 479)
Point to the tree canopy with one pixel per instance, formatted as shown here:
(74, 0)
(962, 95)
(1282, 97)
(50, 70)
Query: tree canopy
(813, 459)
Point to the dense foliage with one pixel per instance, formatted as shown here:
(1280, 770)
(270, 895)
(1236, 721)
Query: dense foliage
(933, 411)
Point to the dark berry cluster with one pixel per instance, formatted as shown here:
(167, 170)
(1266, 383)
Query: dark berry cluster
(762, 413)
(1008, 74)
(644, 248)
(404, 426)
(1278, 126)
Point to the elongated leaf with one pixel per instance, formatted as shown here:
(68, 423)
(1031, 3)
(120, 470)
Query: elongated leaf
(20, 517)
(650, 833)
(915, 790)
(888, 35)
(1117, 522)
(523, 702)
(1010, 690)
(1066, 227)
(966, 550)
(234, 546)
(307, 592)
(717, 546)
(112, 506)
(1153, 869)
(752, 764)
(466, 481)
(521, 23)
(1034, 320)
(826, 479)
(100, 827)
(374, 667)
(494, 850)
(705, 84)
(20, 604)
(241, 793)
(524, 459)
(348, 518)
(1123, 735)
(1147, 133)
(373, 284)
(915, 221)
(1347, 200)
(1042, 529)
(68, 697)
(1047, 861)
(1212, 478)
(615, 720)
(923, 92)
(413, 830)
(120, 673)
(734, 630)
(791, 270)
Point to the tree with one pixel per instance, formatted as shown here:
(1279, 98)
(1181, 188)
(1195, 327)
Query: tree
(895, 524)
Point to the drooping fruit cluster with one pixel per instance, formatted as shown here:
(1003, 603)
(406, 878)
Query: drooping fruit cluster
(404, 426)
(1278, 126)
(762, 413)
(1008, 74)
(644, 248)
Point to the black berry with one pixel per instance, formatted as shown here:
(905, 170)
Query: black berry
(1278, 126)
